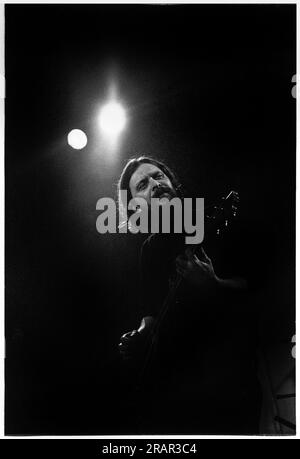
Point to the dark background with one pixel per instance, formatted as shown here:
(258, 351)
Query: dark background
(206, 88)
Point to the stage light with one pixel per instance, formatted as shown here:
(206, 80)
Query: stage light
(112, 119)
(77, 139)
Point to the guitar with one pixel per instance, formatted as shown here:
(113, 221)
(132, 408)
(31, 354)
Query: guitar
(217, 219)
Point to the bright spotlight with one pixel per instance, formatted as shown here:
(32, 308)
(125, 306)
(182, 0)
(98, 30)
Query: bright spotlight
(77, 139)
(112, 119)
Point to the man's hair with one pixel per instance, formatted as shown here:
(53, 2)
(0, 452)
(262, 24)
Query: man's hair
(128, 171)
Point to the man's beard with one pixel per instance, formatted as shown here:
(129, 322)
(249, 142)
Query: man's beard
(164, 193)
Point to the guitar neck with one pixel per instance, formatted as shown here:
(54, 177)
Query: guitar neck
(214, 220)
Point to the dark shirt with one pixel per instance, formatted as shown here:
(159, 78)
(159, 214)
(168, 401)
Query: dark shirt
(207, 340)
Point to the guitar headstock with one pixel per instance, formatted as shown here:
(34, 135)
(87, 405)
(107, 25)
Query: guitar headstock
(223, 213)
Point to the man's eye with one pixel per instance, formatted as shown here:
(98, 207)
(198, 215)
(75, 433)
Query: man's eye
(141, 186)
(159, 175)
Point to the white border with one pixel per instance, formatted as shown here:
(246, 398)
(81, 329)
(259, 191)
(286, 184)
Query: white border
(153, 2)
(2, 99)
(2, 341)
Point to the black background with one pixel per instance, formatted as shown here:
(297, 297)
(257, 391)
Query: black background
(208, 89)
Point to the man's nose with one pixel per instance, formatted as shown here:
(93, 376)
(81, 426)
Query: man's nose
(154, 183)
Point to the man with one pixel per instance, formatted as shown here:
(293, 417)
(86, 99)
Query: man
(204, 376)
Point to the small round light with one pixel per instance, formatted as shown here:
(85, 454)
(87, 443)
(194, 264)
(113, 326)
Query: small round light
(77, 139)
(112, 119)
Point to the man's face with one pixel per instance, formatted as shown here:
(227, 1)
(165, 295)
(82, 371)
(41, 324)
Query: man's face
(148, 181)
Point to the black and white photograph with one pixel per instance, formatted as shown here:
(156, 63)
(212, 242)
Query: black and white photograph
(150, 192)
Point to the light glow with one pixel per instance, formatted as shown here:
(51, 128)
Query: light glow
(112, 119)
(77, 139)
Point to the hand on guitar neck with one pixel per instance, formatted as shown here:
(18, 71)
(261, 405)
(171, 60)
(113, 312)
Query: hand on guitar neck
(199, 271)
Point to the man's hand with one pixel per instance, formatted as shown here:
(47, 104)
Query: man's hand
(129, 345)
(201, 273)
(132, 344)
(198, 272)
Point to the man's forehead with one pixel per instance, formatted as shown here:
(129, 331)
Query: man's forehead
(142, 171)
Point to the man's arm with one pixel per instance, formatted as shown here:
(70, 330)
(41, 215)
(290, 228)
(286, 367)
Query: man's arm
(236, 283)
